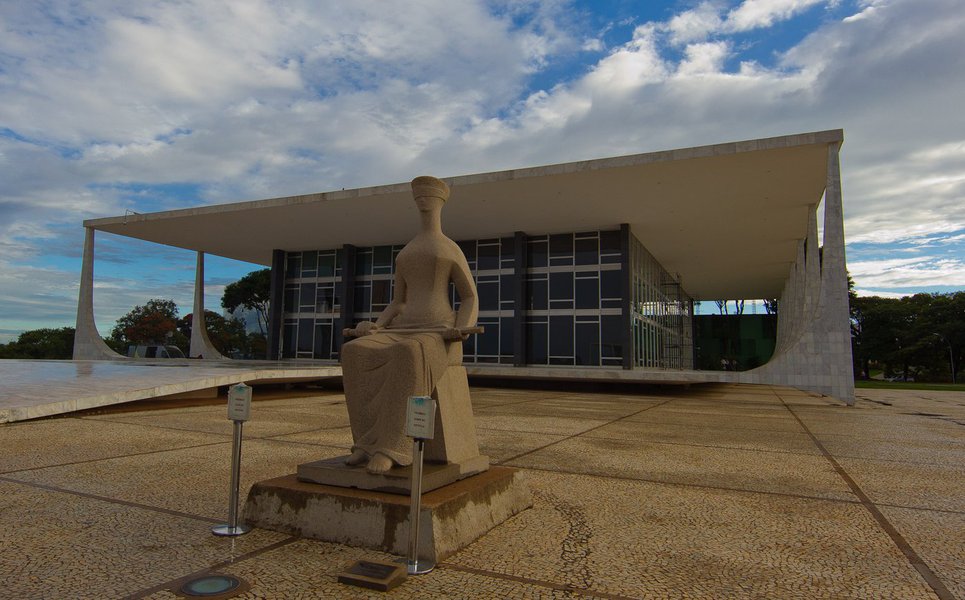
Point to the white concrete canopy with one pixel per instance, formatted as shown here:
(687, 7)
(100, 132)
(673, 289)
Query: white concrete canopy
(727, 218)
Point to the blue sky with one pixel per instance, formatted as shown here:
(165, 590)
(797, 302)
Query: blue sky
(107, 107)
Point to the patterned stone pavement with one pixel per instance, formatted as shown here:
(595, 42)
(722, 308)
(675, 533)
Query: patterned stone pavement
(719, 491)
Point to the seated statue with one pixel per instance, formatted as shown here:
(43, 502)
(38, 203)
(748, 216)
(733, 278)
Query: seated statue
(409, 347)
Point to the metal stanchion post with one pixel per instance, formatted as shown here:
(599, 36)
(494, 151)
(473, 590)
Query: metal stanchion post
(415, 565)
(239, 410)
(420, 426)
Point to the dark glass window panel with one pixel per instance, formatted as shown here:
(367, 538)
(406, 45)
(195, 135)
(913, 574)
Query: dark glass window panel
(507, 248)
(586, 252)
(536, 337)
(561, 286)
(305, 331)
(290, 336)
(561, 335)
(488, 359)
(381, 291)
(382, 256)
(326, 265)
(488, 295)
(587, 344)
(323, 341)
(293, 266)
(611, 303)
(307, 296)
(363, 263)
(506, 337)
(326, 299)
(291, 299)
(338, 261)
(611, 336)
(469, 346)
(537, 254)
(561, 361)
(363, 298)
(309, 264)
(336, 337)
(614, 362)
(610, 242)
(469, 249)
(587, 293)
(488, 342)
(610, 284)
(507, 288)
(488, 257)
(613, 259)
(536, 290)
(561, 245)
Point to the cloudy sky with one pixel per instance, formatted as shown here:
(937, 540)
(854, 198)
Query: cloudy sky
(111, 106)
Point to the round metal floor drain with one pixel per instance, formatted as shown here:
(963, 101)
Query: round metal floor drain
(212, 586)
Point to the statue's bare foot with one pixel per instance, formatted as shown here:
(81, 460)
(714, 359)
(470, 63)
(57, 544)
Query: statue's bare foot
(379, 464)
(357, 458)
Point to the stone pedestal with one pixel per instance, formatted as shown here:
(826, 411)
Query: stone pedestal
(452, 517)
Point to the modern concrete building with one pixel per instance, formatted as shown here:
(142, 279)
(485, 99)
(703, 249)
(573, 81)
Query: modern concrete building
(584, 270)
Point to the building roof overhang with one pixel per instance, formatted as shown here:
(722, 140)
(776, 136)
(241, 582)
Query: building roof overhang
(726, 218)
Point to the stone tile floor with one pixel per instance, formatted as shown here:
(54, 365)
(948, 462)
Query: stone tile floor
(718, 491)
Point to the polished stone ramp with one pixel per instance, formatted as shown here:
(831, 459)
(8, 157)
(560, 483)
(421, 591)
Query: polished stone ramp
(39, 388)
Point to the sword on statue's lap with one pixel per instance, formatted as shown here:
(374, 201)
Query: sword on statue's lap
(348, 332)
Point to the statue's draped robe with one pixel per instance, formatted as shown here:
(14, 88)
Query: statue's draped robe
(382, 370)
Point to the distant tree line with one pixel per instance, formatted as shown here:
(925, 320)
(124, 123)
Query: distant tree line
(916, 337)
(158, 322)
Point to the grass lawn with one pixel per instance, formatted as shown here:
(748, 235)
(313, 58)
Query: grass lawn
(903, 385)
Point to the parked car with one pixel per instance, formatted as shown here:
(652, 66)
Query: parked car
(154, 351)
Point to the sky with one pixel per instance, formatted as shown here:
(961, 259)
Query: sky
(108, 107)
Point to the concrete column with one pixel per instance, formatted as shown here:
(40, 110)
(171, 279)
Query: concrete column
(276, 306)
(88, 344)
(834, 284)
(201, 346)
(626, 290)
(519, 296)
(346, 292)
(814, 349)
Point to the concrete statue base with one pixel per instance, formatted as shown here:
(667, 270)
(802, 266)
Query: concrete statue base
(334, 471)
(452, 517)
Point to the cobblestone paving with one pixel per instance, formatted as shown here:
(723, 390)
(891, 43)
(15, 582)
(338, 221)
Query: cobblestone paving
(718, 491)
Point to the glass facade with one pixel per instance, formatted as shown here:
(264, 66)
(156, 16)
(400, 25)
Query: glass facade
(573, 299)
(661, 314)
(572, 288)
(312, 307)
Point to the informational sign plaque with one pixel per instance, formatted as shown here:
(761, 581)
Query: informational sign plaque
(239, 402)
(420, 417)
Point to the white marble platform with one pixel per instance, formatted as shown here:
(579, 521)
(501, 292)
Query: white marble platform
(38, 388)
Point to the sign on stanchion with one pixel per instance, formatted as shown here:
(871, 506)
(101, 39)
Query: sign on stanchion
(239, 411)
(420, 424)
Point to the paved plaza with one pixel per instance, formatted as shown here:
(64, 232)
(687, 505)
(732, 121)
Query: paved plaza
(717, 491)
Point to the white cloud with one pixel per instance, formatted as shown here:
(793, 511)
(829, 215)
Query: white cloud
(695, 24)
(258, 99)
(752, 14)
(918, 271)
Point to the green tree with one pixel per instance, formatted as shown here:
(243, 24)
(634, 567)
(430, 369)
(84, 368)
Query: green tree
(227, 335)
(153, 323)
(253, 292)
(41, 344)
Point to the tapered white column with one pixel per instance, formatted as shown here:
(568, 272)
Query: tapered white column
(201, 346)
(88, 344)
